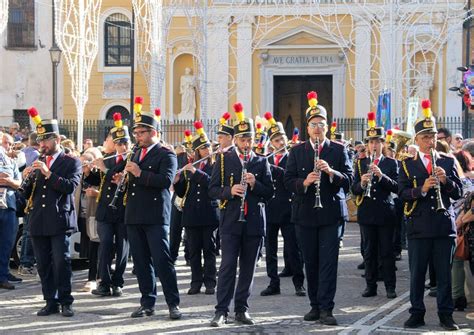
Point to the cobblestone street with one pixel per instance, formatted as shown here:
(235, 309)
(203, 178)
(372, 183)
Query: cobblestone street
(276, 314)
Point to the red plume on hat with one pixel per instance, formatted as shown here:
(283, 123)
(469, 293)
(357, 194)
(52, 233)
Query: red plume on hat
(371, 119)
(188, 135)
(118, 120)
(33, 112)
(269, 117)
(224, 118)
(239, 111)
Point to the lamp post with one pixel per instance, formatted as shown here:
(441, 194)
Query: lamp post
(55, 54)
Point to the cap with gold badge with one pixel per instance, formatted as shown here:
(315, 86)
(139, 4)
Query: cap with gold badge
(275, 128)
(201, 140)
(373, 132)
(146, 119)
(119, 132)
(224, 127)
(245, 126)
(427, 124)
(314, 108)
(44, 128)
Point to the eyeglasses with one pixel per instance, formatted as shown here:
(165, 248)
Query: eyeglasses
(459, 138)
(140, 132)
(319, 125)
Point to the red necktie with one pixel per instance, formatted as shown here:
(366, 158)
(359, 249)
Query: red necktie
(241, 156)
(277, 159)
(376, 162)
(48, 161)
(320, 148)
(429, 167)
(143, 153)
(119, 159)
(202, 165)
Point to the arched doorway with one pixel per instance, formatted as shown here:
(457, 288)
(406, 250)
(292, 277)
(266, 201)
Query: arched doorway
(118, 109)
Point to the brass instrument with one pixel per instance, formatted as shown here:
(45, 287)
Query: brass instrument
(121, 186)
(369, 183)
(439, 200)
(401, 138)
(317, 184)
(31, 178)
(243, 182)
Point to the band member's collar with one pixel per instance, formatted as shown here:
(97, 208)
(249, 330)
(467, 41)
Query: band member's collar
(238, 153)
(227, 148)
(322, 144)
(148, 148)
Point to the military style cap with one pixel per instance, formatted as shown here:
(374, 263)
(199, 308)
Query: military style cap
(244, 125)
(201, 139)
(373, 132)
(335, 136)
(275, 128)
(389, 140)
(44, 128)
(314, 109)
(119, 132)
(146, 119)
(427, 124)
(224, 127)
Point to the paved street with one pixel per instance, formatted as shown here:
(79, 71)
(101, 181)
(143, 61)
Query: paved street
(277, 314)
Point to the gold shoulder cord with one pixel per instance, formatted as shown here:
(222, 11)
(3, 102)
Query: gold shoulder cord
(183, 199)
(102, 181)
(29, 203)
(407, 211)
(224, 203)
(359, 198)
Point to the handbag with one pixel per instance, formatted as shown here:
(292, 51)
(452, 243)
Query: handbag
(462, 244)
(91, 229)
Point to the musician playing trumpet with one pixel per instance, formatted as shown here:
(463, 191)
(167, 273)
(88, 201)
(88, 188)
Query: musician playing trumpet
(375, 181)
(427, 183)
(243, 196)
(318, 229)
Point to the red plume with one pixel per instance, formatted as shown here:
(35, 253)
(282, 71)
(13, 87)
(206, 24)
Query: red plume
(117, 116)
(312, 95)
(198, 125)
(268, 115)
(157, 112)
(138, 100)
(334, 124)
(371, 116)
(259, 125)
(425, 104)
(33, 112)
(389, 132)
(226, 116)
(187, 132)
(238, 107)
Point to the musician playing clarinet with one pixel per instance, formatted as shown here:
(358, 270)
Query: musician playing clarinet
(319, 186)
(242, 182)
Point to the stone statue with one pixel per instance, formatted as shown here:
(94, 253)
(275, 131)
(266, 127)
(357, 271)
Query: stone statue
(423, 82)
(187, 89)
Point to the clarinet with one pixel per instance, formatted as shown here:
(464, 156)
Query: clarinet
(122, 182)
(369, 183)
(244, 184)
(439, 200)
(317, 184)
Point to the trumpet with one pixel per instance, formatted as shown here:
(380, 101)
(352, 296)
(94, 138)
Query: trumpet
(439, 200)
(369, 183)
(243, 182)
(121, 186)
(317, 184)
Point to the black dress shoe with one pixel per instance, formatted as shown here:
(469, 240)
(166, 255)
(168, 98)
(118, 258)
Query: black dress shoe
(117, 291)
(7, 285)
(460, 303)
(141, 311)
(270, 290)
(300, 291)
(285, 273)
(13, 279)
(101, 290)
(66, 310)
(220, 318)
(48, 310)
(415, 321)
(175, 313)
(391, 294)
(210, 291)
(194, 290)
(446, 321)
(312, 315)
(369, 292)
(361, 266)
(244, 317)
(326, 318)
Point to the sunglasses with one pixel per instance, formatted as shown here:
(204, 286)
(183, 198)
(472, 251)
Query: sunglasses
(319, 125)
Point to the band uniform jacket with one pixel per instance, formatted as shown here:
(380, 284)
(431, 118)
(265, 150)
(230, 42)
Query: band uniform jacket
(106, 213)
(53, 211)
(199, 209)
(379, 208)
(424, 221)
(148, 196)
(256, 198)
(300, 164)
(278, 209)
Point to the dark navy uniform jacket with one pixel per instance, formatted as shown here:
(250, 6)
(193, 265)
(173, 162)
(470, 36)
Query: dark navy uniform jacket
(300, 164)
(256, 198)
(148, 196)
(53, 211)
(279, 206)
(199, 209)
(424, 221)
(379, 208)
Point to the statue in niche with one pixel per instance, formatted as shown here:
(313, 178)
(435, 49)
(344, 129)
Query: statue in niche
(187, 90)
(424, 82)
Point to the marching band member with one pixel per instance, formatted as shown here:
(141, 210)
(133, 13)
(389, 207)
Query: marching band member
(426, 184)
(52, 215)
(324, 182)
(242, 182)
(278, 213)
(225, 134)
(375, 180)
(199, 214)
(147, 213)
